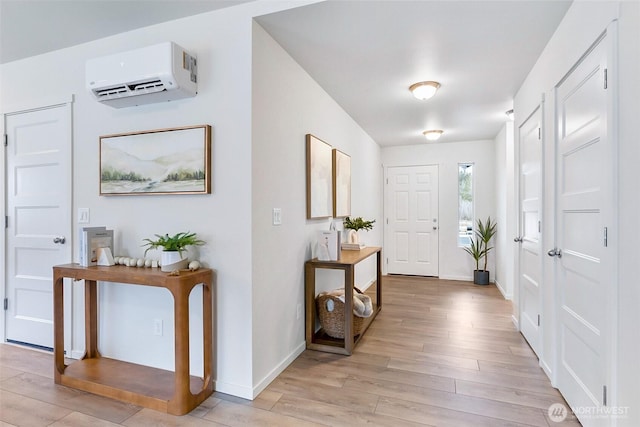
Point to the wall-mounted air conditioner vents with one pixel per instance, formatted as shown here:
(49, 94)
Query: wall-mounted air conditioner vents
(158, 73)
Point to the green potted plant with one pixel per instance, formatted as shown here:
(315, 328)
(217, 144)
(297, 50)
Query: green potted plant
(354, 225)
(479, 249)
(173, 248)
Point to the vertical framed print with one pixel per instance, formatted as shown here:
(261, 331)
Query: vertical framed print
(341, 184)
(319, 178)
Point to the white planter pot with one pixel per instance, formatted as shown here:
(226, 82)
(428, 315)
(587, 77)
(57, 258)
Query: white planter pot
(173, 260)
(352, 237)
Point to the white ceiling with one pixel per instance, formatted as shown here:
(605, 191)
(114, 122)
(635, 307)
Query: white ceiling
(365, 54)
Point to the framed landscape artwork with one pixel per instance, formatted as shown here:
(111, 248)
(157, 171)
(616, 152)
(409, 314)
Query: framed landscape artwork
(162, 161)
(319, 178)
(341, 184)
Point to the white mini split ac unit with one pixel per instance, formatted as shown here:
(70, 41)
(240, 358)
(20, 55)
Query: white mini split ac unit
(158, 73)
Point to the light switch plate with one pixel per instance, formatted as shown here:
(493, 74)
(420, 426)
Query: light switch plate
(277, 216)
(83, 215)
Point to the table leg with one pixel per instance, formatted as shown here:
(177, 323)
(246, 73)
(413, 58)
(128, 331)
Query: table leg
(58, 326)
(379, 279)
(310, 299)
(182, 390)
(207, 330)
(349, 278)
(90, 320)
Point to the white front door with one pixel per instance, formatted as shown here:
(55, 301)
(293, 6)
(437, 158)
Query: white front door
(38, 206)
(411, 208)
(585, 194)
(529, 254)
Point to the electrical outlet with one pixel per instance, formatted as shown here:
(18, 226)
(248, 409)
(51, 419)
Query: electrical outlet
(299, 311)
(157, 327)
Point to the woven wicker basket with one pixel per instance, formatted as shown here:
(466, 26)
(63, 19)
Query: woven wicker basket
(333, 321)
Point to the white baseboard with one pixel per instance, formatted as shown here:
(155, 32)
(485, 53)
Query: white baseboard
(77, 354)
(460, 278)
(365, 287)
(547, 370)
(257, 389)
(504, 293)
(515, 322)
(241, 391)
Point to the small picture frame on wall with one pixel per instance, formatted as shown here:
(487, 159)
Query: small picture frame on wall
(161, 161)
(341, 184)
(319, 178)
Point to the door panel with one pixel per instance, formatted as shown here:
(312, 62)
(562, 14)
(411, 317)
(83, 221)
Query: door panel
(583, 164)
(38, 176)
(412, 220)
(530, 206)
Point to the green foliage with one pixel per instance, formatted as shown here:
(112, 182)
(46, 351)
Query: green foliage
(486, 232)
(185, 176)
(173, 243)
(357, 224)
(479, 247)
(114, 175)
(476, 250)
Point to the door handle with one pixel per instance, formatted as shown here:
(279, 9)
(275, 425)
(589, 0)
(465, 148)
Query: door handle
(555, 252)
(59, 240)
(518, 239)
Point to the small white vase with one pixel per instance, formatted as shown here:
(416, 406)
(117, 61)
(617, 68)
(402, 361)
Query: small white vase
(173, 260)
(353, 236)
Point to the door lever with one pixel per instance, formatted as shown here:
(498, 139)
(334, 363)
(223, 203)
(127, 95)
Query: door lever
(518, 239)
(59, 240)
(555, 252)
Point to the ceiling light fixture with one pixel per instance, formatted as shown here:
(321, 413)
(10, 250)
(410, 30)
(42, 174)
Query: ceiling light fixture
(432, 135)
(510, 114)
(424, 90)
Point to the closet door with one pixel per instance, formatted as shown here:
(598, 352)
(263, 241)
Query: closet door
(585, 273)
(530, 213)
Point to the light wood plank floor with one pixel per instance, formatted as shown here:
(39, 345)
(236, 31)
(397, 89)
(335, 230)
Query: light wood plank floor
(440, 353)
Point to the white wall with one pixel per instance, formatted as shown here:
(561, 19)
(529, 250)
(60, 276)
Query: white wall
(503, 240)
(455, 263)
(288, 104)
(223, 43)
(582, 25)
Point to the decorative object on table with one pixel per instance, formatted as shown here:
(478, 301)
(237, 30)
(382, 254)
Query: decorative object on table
(479, 248)
(104, 257)
(330, 307)
(354, 225)
(328, 245)
(161, 161)
(341, 184)
(92, 238)
(173, 249)
(319, 178)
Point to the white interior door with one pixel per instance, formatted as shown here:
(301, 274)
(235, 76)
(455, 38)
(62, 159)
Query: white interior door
(585, 279)
(529, 253)
(412, 220)
(38, 177)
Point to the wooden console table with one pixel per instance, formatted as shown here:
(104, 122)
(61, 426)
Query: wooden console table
(348, 259)
(153, 388)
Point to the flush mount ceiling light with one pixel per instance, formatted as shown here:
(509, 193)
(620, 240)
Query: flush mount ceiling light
(432, 135)
(510, 114)
(424, 90)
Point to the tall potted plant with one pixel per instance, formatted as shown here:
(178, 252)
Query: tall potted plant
(479, 249)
